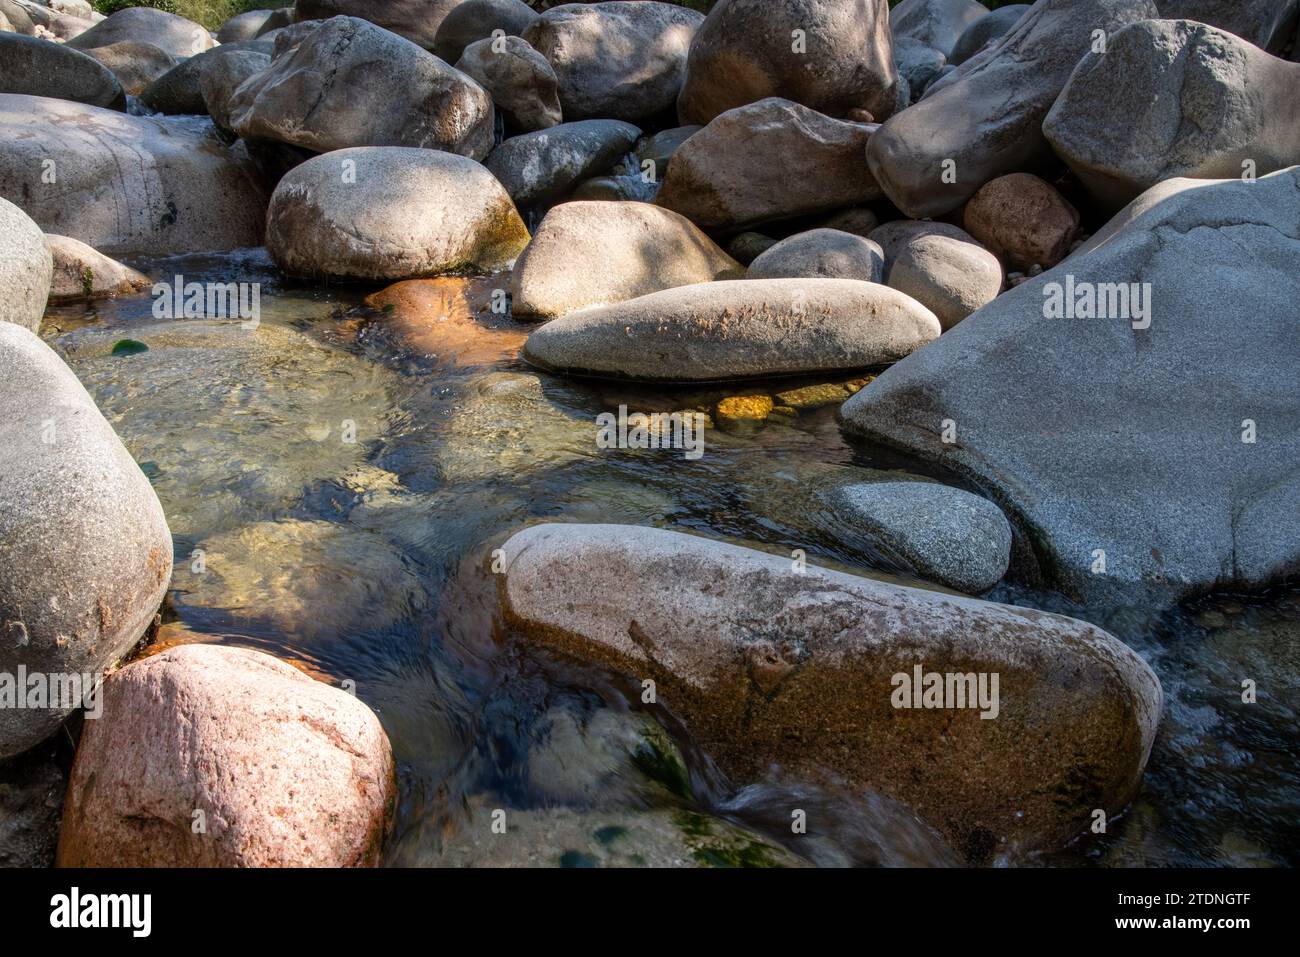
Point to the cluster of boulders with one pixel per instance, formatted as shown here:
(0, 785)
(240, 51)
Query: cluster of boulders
(1069, 228)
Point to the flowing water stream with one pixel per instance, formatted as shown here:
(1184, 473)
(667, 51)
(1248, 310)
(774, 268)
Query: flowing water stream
(337, 477)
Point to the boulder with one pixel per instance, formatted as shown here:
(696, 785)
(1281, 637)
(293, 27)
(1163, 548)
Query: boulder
(622, 61)
(416, 20)
(127, 184)
(135, 63)
(938, 24)
(1196, 101)
(81, 273)
(659, 149)
(812, 672)
(820, 254)
(172, 34)
(949, 277)
(178, 93)
(350, 83)
(25, 269)
(281, 770)
(40, 68)
(858, 220)
(1268, 24)
(223, 72)
(985, 119)
(87, 554)
(770, 160)
(409, 213)
(894, 237)
(474, 20)
(519, 80)
(279, 20)
(985, 30)
(598, 253)
(737, 329)
(1147, 454)
(918, 65)
(541, 167)
(743, 53)
(746, 247)
(17, 17)
(1023, 220)
(243, 26)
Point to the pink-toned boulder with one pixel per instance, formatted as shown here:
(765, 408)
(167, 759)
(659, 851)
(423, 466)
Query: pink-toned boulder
(210, 756)
(1022, 219)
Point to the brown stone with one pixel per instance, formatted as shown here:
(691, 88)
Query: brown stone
(1023, 220)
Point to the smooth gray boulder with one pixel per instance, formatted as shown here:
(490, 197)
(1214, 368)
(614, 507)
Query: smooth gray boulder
(985, 119)
(389, 213)
(947, 536)
(737, 329)
(221, 74)
(127, 184)
(520, 81)
(416, 20)
(918, 65)
(1268, 24)
(82, 273)
(769, 160)
(936, 23)
(475, 20)
(25, 269)
(744, 52)
(950, 277)
(136, 64)
(596, 253)
(170, 33)
(539, 168)
(984, 30)
(820, 254)
(38, 67)
(243, 26)
(87, 555)
(622, 61)
(1149, 454)
(350, 83)
(1196, 101)
(813, 671)
(894, 237)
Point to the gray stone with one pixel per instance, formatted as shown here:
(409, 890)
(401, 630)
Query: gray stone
(25, 269)
(770, 160)
(475, 20)
(936, 23)
(243, 26)
(598, 253)
(41, 68)
(660, 147)
(178, 92)
(985, 118)
(857, 220)
(81, 273)
(1268, 24)
(737, 329)
(946, 535)
(223, 72)
(410, 213)
(802, 670)
(623, 61)
(416, 20)
(894, 237)
(746, 247)
(350, 83)
(918, 65)
(1110, 442)
(949, 277)
(87, 555)
(985, 30)
(742, 54)
(541, 167)
(520, 81)
(820, 254)
(128, 184)
(170, 33)
(1199, 102)
(135, 64)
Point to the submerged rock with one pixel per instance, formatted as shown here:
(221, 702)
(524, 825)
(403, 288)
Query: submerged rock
(209, 756)
(25, 269)
(802, 670)
(737, 329)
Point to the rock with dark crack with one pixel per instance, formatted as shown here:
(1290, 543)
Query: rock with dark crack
(806, 671)
(1148, 455)
(737, 329)
(985, 119)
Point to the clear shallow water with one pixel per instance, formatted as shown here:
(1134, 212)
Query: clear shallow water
(336, 478)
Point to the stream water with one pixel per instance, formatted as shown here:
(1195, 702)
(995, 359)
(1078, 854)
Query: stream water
(336, 478)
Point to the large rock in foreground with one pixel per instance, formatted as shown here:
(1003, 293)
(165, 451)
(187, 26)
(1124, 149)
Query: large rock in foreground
(40, 68)
(210, 756)
(127, 184)
(25, 269)
(769, 160)
(86, 555)
(767, 666)
(736, 329)
(1150, 453)
(349, 83)
(403, 213)
(1196, 102)
(985, 119)
(621, 61)
(592, 254)
(168, 32)
(745, 51)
